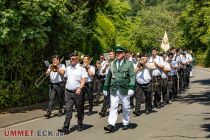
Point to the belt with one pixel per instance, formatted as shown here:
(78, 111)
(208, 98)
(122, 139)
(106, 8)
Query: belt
(72, 91)
(56, 83)
(144, 84)
(159, 76)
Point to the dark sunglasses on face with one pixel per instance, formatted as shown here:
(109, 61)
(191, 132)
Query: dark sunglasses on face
(73, 59)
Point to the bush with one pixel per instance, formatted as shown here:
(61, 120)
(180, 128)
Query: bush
(207, 58)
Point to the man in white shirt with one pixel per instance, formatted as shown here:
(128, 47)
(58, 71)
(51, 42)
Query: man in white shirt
(106, 101)
(164, 75)
(143, 85)
(56, 72)
(172, 75)
(75, 76)
(156, 76)
(189, 60)
(90, 69)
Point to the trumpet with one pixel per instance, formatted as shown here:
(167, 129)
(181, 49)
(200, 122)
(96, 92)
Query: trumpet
(141, 65)
(87, 64)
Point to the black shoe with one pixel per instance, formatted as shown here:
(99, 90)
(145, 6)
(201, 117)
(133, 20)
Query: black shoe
(125, 127)
(132, 106)
(109, 128)
(159, 106)
(173, 99)
(102, 114)
(89, 113)
(48, 114)
(137, 113)
(79, 128)
(60, 113)
(147, 111)
(64, 130)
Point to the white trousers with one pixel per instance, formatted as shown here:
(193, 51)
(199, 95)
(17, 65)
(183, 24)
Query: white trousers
(113, 111)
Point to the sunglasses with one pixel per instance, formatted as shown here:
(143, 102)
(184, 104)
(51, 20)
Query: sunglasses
(73, 59)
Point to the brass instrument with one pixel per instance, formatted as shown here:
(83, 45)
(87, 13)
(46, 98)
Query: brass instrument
(53, 68)
(39, 81)
(87, 64)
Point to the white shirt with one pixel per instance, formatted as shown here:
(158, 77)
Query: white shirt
(183, 59)
(55, 77)
(173, 71)
(90, 78)
(74, 75)
(189, 57)
(159, 61)
(167, 66)
(143, 77)
(177, 58)
(103, 65)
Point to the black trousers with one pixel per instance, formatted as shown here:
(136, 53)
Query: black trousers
(165, 94)
(89, 92)
(99, 85)
(145, 89)
(181, 80)
(106, 103)
(72, 99)
(173, 86)
(56, 90)
(188, 75)
(157, 81)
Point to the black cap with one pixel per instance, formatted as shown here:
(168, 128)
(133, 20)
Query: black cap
(55, 56)
(143, 55)
(154, 49)
(73, 54)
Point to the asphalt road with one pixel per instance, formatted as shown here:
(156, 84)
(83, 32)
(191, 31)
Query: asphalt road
(187, 118)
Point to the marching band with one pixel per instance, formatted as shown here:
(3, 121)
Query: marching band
(155, 80)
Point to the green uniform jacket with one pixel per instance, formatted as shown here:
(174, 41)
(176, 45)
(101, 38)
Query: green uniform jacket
(121, 79)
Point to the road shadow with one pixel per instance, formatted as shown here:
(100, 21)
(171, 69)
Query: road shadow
(84, 127)
(25, 109)
(199, 92)
(203, 82)
(203, 98)
(120, 125)
(206, 127)
(178, 137)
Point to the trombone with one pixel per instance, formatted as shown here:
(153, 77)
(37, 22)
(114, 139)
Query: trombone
(39, 81)
(53, 68)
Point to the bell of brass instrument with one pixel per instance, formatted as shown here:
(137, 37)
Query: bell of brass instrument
(140, 65)
(53, 67)
(87, 64)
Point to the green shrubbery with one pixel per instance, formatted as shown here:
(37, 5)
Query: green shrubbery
(33, 30)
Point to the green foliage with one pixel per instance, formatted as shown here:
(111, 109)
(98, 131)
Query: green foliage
(207, 58)
(104, 31)
(33, 30)
(154, 22)
(195, 23)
